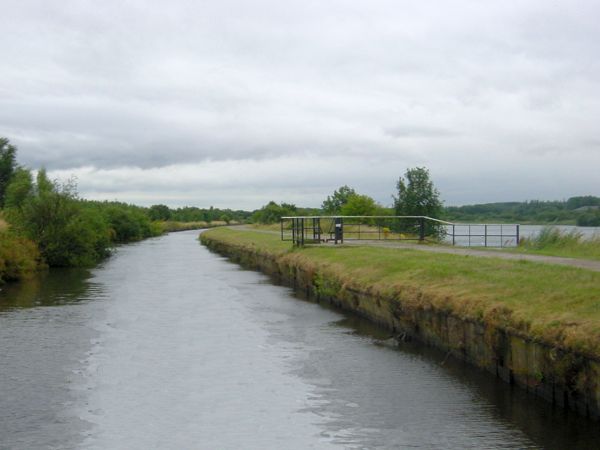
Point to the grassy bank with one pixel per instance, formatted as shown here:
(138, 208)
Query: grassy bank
(556, 305)
(554, 242)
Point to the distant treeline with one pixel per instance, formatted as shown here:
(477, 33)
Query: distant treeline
(193, 214)
(582, 211)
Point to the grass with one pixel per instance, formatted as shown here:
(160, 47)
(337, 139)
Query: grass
(556, 304)
(554, 242)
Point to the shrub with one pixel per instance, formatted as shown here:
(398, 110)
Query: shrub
(19, 257)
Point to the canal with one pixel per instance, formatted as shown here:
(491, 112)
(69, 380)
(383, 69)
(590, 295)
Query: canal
(168, 346)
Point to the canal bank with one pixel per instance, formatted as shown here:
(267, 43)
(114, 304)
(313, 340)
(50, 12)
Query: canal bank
(554, 358)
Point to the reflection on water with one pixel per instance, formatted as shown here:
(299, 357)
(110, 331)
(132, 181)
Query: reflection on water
(44, 336)
(167, 346)
(547, 427)
(48, 288)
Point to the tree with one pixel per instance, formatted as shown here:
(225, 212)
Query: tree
(19, 189)
(159, 212)
(359, 205)
(51, 215)
(8, 165)
(333, 204)
(416, 195)
(272, 212)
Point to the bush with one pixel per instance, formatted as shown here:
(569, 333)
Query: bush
(19, 257)
(272, 212)
(51, 215)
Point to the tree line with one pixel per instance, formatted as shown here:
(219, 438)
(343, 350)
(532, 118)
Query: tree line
(415, 195)
(582, 211)
(45, 223)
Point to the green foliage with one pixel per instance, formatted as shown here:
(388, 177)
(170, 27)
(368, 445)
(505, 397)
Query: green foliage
(582, 201)
(127, 223)
(8, 165)
(124, 223)
(359, 205)
(51, 215)
(159, 212)
(583, 211)
(416, 195)
(272, 212)
(589, 218)
(19, 257)
(69, 231)
(19, 189)
(194, 214)
(334, 203)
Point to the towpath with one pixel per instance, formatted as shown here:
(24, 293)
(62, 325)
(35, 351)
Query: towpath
(499, 253)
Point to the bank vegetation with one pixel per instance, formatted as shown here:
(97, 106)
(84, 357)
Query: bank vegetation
(44, 222)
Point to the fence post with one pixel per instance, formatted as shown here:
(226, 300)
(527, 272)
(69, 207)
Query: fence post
(453, 234)
(337, 230)
(518, 237)
(485, 233)
(421, 229)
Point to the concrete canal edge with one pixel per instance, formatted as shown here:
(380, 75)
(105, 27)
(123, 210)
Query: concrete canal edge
(561, 376)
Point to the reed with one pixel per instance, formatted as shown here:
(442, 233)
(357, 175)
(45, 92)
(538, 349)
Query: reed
(555, 242)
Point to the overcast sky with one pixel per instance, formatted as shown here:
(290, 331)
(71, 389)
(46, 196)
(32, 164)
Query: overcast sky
(233, 103)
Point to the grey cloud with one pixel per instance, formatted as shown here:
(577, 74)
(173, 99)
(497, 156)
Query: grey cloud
(404, 131)
(146, 85)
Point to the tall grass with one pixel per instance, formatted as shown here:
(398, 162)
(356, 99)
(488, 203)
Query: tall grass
(555, 242)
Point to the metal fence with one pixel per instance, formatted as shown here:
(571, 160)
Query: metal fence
(320, 229)
(483, 235)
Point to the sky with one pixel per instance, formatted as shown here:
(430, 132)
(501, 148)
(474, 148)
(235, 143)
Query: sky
(234, 103)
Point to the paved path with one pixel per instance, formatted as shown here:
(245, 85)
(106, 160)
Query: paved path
(573, 262)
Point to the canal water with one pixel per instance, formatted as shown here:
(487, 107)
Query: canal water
(168, 346)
